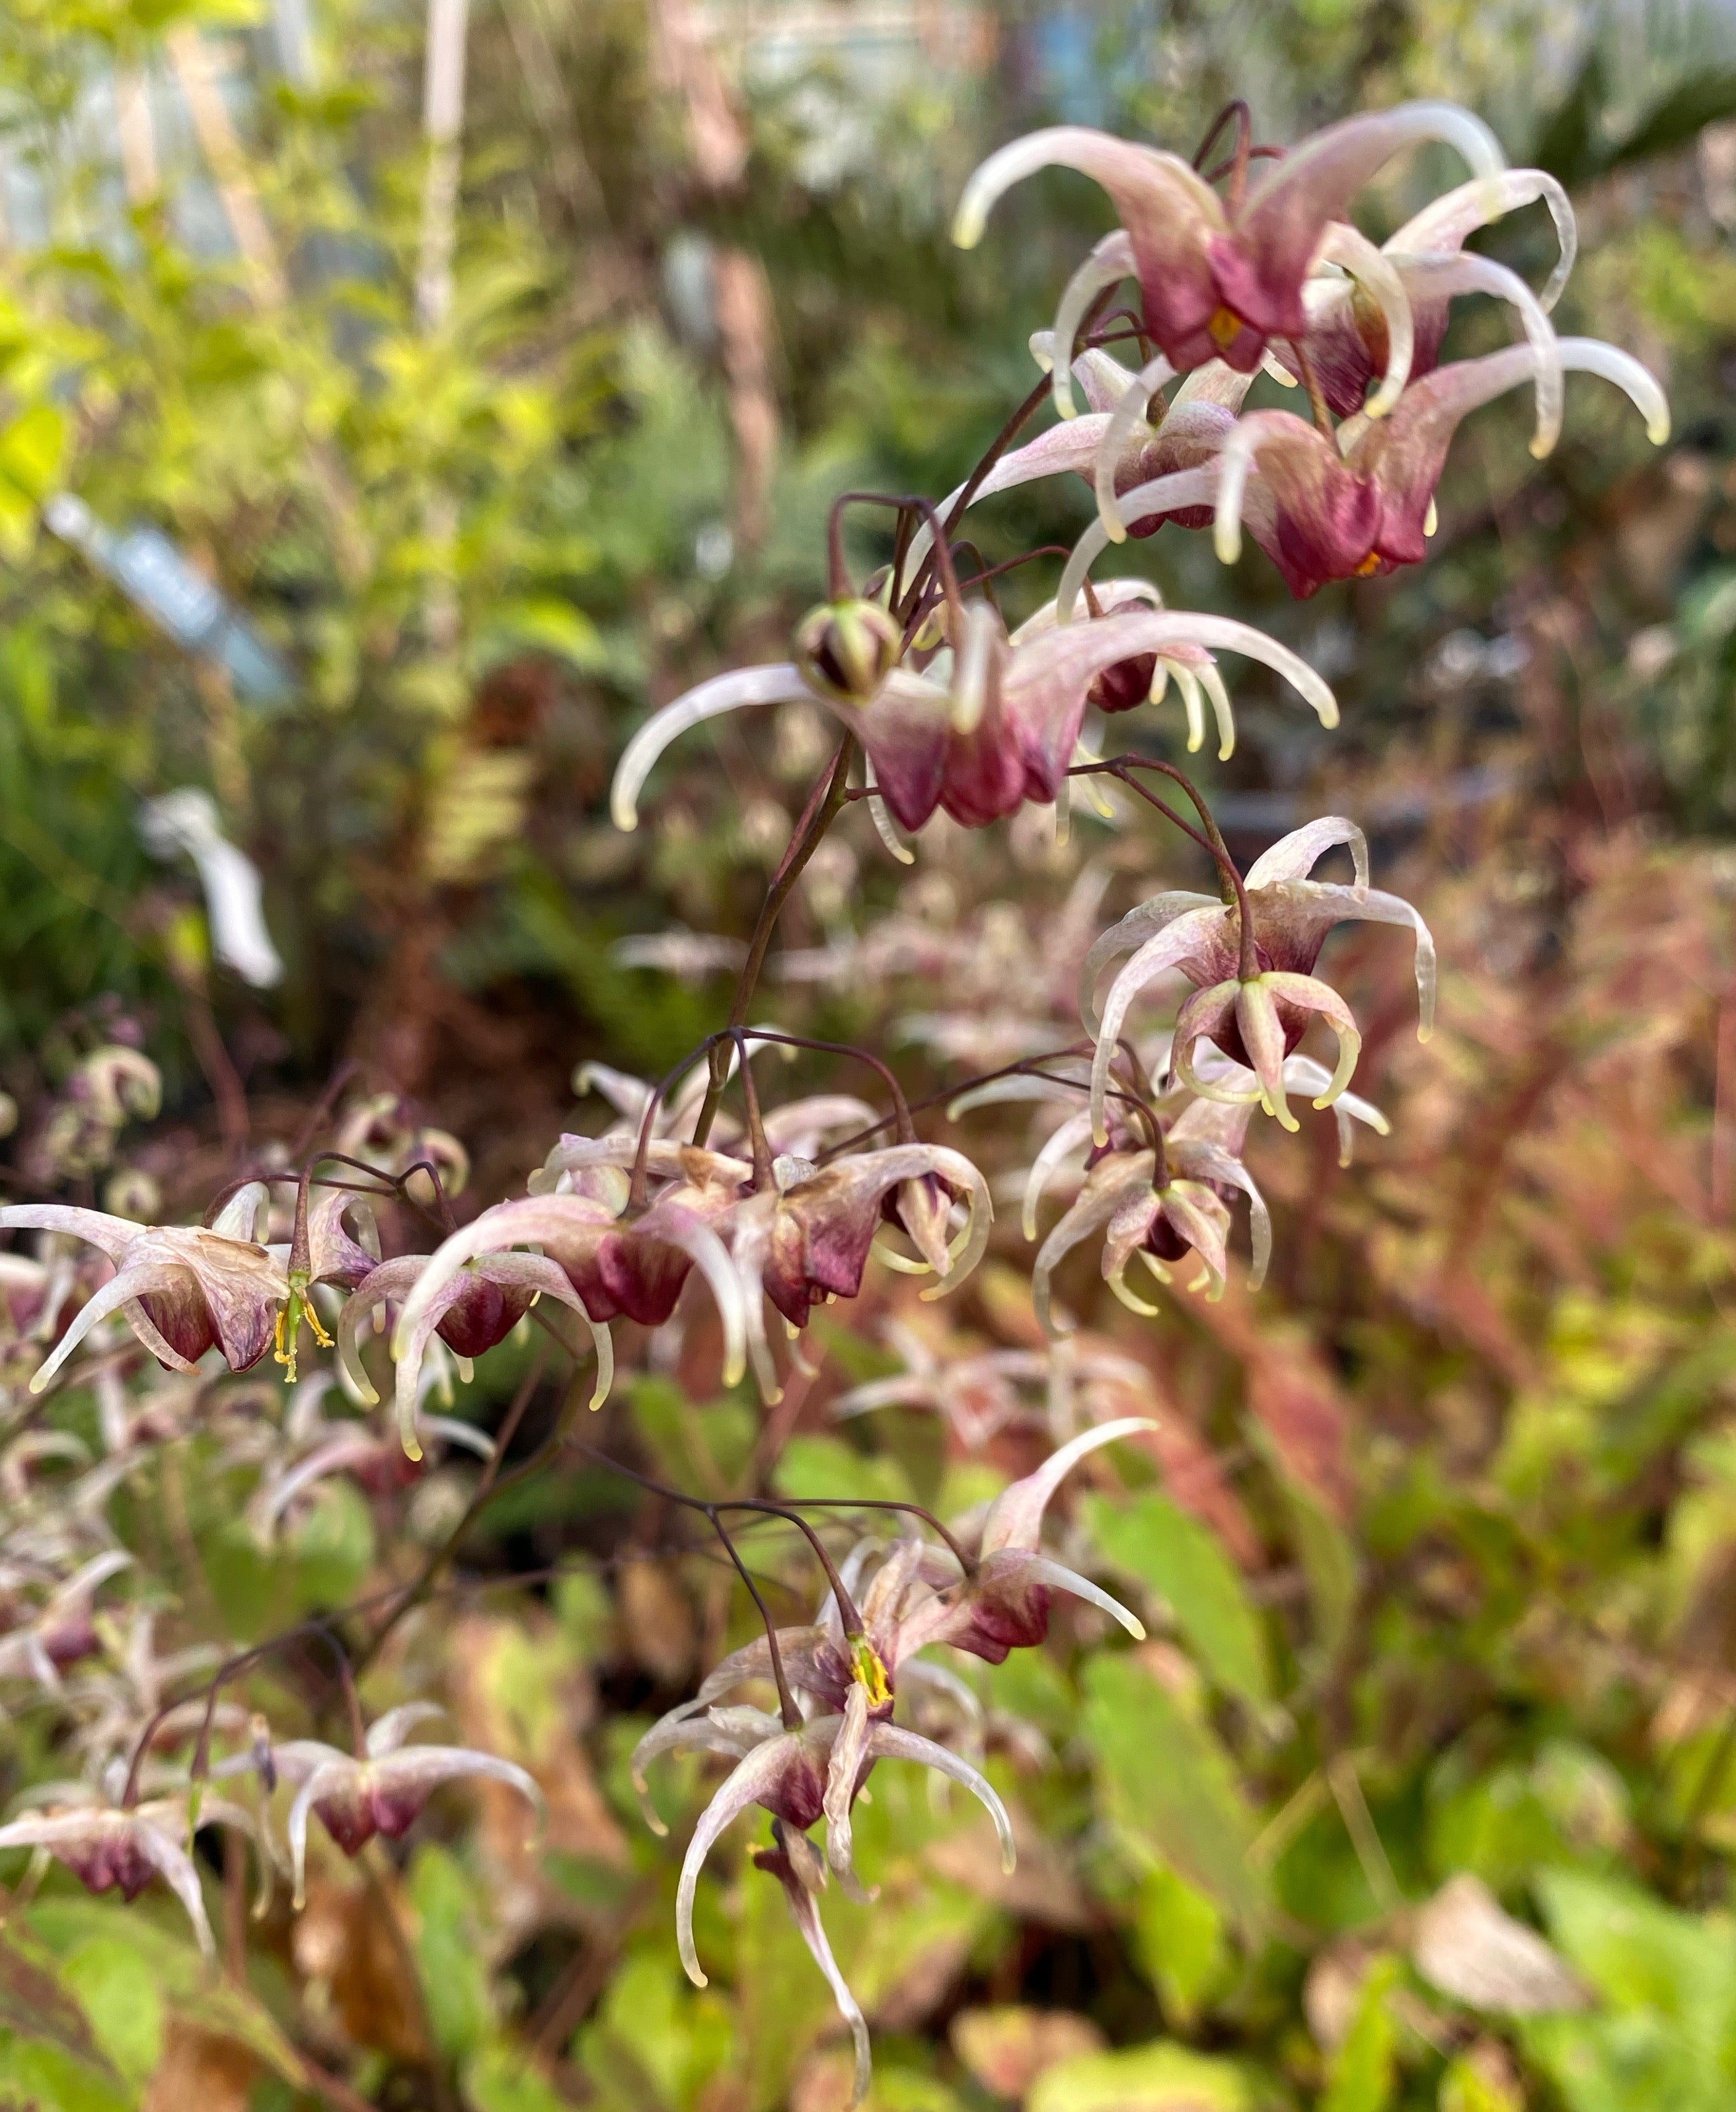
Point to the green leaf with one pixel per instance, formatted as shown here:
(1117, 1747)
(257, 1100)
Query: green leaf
(1364, 2071)
(454, 1971)
(1669, 1979)
(36, 2076)
(827, 1466)
(1179, 1932)
(1170, 1786)
(32, 2003)
(120, 1995)
(32, 450)
(1181, 1559)
(1160, 2077)
(499, 2080)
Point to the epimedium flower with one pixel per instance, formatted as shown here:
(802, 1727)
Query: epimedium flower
(1255, 1019)
(1006, 1599)
(1160, 1212)
(1361, 500)
(477, 1306)
(382, 1789)
(807, 1239)
(990, 722)
(1346, 334)
(1220, 277)
(183, 1289)
(787, 1773)
(64, 1629)
(108, 1846)
(617, 1261)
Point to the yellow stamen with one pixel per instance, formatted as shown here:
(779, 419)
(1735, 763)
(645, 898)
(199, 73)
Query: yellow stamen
(1369, 565)
(870, 1672)
(1225, 328)
(296, 1307)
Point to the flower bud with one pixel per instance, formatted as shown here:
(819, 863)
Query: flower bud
(846, 649)
(1125, 685)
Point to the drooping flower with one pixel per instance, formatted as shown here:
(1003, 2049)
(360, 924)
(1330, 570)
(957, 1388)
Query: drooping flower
(1218, 279)
(1004, 1603)
(1361, 500)
(108, 1846)
(183, 1288)
(1161, 1220)
(1256, 1022)
(808, 1238)
(65, 1630)
(378, 1465)
(478, 1306)
(382, 1791)
(1346, 334)
(787, 1773)
(616, 1263)
(990, 723)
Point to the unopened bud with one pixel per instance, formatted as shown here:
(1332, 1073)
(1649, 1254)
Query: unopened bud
(846, 649)
(1126, 684)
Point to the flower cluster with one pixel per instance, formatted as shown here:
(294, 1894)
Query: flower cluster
(698, 1195)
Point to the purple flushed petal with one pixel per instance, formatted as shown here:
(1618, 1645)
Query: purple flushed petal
(780, 1863)
(787, 1776)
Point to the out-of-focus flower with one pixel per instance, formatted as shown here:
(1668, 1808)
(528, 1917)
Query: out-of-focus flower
(183, 1288)
(108, 1847)
(187, 820)
(989, 723)
(1219, 278)
(1255, 1022)
(385, 1131)
(382, 1791)
(109, 1088)
(317, 1449)
(65, 1630)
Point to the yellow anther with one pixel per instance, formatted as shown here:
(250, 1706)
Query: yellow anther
(871, 1672)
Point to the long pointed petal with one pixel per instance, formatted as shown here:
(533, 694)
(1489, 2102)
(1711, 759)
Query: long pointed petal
(119, 1290)
(1101, 1197)
(1110, 262)
(1015, 1517)
(1059, 1578)
(176, 1868)
(1124, 421)
(1346, 246)
(1141, 923)
(778, 683)
(1114, 163)
(1072, 1133)
(888, 1741)
(1163, 495)
(1440, 277)
(741, 1790)
(114, 1236)
(1444, 223)
(1170, 948)
(1294, 857)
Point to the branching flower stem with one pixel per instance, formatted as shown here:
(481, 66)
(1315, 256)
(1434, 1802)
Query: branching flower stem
(1122, 768)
